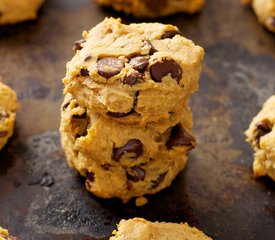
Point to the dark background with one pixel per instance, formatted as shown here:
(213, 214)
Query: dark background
(216, 192)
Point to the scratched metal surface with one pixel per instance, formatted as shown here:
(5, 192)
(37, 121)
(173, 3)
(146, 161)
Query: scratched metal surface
(216, 192)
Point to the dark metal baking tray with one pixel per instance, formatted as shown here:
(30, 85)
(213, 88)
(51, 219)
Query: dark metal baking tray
(216, 192)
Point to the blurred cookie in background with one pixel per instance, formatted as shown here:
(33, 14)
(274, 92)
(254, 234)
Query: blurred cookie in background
(14, 11)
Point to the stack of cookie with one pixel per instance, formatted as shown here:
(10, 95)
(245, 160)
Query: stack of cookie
(126, 124)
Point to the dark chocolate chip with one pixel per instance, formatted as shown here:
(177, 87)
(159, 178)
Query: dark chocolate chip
(263, 128)
(133, 146)
(179, 137)
(156, 5)
(160, 178)
(87, 58)
(119, 115)
(90, 176)
(152, 49)
(136, 174)
(161, 69)
(271, 21)
(109, 66)
(82, 116)
(136, 99)
(129, 186)
(65, 105)
(170, 34)
(139, 63)
(84, 72)
(106, 166)
(133, 78)
(77, 44)
(3, 134)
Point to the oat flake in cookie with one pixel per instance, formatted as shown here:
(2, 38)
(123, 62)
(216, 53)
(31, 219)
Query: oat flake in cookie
(154, 8)
(261, 135)
(136, 160)
(137, 73)
(141, 229)
(8, 107)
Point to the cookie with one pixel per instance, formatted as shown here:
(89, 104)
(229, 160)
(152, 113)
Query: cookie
(14, 11)
(139, 228)
(136, 160)
(4, 235)
(8, 107)
(154, 8)
(265, 11)
(137, 73)
(261, 135)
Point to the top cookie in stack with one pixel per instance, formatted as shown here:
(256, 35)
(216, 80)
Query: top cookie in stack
(134, 73)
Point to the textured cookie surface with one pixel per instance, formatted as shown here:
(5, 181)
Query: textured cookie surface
(154, 8)
(8, 107)
(141, 229)
(265, 11)
(13, 11)
(261, 135)
(136, 160)
(133, 73)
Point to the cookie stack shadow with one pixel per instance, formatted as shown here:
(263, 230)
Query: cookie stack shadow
(125, 121)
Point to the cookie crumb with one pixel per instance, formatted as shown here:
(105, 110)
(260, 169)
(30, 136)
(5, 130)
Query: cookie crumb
(141, 201)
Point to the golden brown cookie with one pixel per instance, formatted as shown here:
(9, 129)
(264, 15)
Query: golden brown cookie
(261, 135)
(141, 229)
(8, 107)
(154, 8)
(136, 160)
(137, 73)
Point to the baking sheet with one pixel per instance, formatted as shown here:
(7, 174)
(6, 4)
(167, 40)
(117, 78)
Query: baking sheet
(216, 192)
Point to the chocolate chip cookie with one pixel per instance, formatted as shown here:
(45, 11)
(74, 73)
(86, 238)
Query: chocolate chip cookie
(8, 107)
(139, 228)
(265, 11)
(137, 160)
(137, 73)
(154, 8)
(14, 11)
(261, 135)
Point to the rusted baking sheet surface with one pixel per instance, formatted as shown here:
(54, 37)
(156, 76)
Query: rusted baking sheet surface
(41, 198)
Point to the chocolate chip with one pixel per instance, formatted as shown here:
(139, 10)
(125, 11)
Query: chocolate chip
(160, 178)
(87, 58)
(3, 134)
(106, 166)
(170, 34)
(84, 72)
(263, 128)
(271, 21)
(109, 66)
(133, 146)
(136, 174)
(77, 44)
(118, 114)
(179, 137)
(90, 176)
(65, 105)
(129, 186)
(156, 5)
(161, 69)
(152, 49)
(136, 99)
(82, 116)
(133, 78)
(139, 63)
